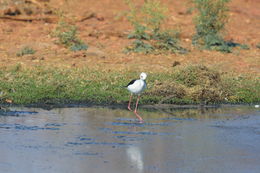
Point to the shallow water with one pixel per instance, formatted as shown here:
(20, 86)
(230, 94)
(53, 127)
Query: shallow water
(103, 140)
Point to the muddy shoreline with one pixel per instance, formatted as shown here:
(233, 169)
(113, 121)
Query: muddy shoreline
(124, 106)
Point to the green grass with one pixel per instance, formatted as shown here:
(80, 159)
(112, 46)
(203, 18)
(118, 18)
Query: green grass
(184, 85)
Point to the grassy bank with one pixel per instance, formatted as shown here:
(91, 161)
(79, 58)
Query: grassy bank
(184, 85)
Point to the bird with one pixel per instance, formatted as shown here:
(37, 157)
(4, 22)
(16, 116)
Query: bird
(136, 87)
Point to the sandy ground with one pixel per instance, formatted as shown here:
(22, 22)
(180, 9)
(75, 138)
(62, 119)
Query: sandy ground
(105, 33)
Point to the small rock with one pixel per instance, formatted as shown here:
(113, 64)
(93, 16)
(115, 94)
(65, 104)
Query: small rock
(187, 40)
(181, 13)
(33, 58)
(100, 18)
(175, 63)
(12, 11)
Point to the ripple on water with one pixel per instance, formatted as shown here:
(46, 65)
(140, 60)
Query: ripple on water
(129, 138)
(87, 153)
(86, 140)
(176, 118)
(16, 113)
(138, 124)
(97, 143)
(55, 124)
(142, 133)
(26, 127)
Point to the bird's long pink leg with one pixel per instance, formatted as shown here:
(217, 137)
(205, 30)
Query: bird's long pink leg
(138, 116)
(129, 104)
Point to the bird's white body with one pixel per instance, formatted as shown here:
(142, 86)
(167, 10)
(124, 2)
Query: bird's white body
(137, 87)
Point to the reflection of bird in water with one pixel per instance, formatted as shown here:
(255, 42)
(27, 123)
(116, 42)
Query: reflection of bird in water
(135, 156)
(137, 86)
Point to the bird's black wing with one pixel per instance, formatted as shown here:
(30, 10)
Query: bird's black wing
(130, 83)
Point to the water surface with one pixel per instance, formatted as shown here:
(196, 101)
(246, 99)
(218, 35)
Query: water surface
(103, 140)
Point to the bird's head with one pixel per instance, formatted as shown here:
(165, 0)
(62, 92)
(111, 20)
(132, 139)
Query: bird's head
(143, 76)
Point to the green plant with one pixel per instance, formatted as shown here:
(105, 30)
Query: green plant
(148, 17)
(79, 46)
(154, 14)
(150, 37)
(244, 46)
(210, 24)
(168, 41)
(25, 51)
(139, 33)
(67, 35)
(139, 46)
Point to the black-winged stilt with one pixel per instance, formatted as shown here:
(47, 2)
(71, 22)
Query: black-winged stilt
(137, 86)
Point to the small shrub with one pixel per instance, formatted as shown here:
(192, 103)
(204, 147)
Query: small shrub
(210, 24)
(25, 51)
(168, 41)
(148, 17)
(154, 14)
(139, 33)
(67, 35)
(139, 46)
(202, 84)
(79, 46)
(197, 75)
(147, 21)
